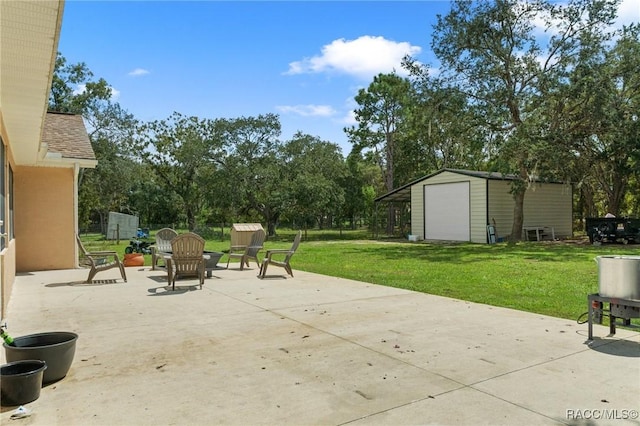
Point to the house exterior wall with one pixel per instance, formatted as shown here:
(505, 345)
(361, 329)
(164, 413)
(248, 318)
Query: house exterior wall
(44, 222)
(8, 253)
(8, 271)
(545, 204)
(477, 204)
(30, 35)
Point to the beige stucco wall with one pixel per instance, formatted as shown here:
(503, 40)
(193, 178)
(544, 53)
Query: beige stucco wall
(44, 218)
(8, 254)
(8, 270)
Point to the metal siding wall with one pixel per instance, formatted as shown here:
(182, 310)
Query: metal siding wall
(501, 207)
(477, 204)
(549, 204)
(417, 210)
(478, 199)
(545, 204)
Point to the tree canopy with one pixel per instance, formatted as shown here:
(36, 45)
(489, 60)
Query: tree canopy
(559, 104)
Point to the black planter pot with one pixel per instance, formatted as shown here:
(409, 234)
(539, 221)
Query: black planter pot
(21, 381)
(56, 348)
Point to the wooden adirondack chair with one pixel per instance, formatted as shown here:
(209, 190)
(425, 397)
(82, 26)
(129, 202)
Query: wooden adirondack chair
(284, 255)
(186, 259)
(162, 245)
(100, 261)
(244, 253)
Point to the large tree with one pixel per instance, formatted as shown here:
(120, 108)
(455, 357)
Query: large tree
(316, 168)
(73, 89)
(179, 150)
(599, 119)
(444, 129)
(492, 52)
(361, 184)
(381, 115)
(253, 174)
(111, 128)
(107, 187)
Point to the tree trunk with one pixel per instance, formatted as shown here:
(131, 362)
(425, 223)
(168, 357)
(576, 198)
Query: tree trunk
(272, 221)
(191, 220)
(587, 201)
(271, 228)
(103, 224)
(518, 214)
(615, 195)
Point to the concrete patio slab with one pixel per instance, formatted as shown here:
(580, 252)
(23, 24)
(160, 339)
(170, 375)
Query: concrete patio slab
(465, 406)
(605, 379)
(312, 350)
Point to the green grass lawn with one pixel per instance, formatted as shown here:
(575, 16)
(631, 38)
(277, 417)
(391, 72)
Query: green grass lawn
(550, 278)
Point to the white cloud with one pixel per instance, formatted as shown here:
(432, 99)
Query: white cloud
(544, 25)
(115, 94)
(363, 57)
(350, 104)
(349, 119)
(81, 88)
(628, 12)
(307, 110)
(138, 72)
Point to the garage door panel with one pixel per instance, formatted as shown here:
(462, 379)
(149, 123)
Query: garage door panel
(446, 211)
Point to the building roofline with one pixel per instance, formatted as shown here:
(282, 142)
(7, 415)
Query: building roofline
(403, 193)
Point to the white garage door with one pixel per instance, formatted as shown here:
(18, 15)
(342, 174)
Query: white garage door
(446, 211)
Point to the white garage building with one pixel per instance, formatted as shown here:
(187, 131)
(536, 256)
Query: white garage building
(458, 205)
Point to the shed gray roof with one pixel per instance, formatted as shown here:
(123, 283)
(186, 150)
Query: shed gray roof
(403, 193)
(66, 135)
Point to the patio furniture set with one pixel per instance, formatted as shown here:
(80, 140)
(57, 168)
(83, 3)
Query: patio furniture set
(184, 255)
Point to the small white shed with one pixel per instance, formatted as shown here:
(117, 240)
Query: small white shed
(458, 205)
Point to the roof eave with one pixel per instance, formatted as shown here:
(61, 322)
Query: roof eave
(29, 40)
(67, 162)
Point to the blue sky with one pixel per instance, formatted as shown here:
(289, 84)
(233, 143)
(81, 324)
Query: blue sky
(302, 60)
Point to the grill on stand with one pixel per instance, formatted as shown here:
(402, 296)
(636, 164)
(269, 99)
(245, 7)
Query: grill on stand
(619, 287)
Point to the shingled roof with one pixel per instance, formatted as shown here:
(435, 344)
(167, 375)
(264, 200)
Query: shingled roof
(66, 136)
